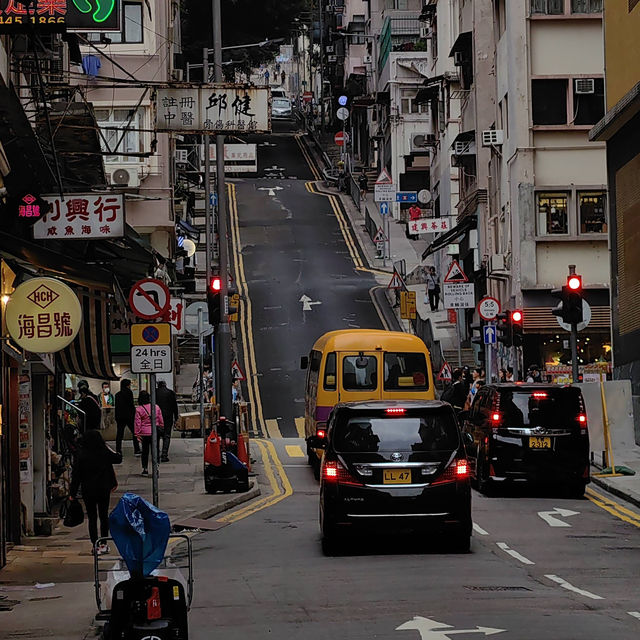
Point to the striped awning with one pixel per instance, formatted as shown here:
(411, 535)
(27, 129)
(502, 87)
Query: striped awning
(89, 355)
(537, 319)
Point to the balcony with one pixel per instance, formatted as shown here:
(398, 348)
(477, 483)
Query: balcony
(400, 33)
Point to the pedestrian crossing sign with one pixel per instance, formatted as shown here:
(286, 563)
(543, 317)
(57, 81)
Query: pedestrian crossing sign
(455, 273)
(445, 373)
(380, 237)
(236, 372)
(396, 282)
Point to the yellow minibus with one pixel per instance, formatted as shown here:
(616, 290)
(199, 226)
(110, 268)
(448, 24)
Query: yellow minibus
(361, 364)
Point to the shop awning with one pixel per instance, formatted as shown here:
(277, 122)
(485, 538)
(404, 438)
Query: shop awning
(450, 237)
(462, 43)
(89, 355)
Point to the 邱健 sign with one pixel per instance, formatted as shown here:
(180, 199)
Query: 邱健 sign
(223, 108)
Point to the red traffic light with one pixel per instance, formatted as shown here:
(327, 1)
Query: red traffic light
(574, 283)
(516, 316)
(216, 283)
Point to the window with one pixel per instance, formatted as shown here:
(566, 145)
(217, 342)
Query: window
(586, 6)
(593, 211)
(330, 372)
(549, 99)
(408, 102)
(114, 122)
(552, 213)
(405, 372)
(132, 26)
(588, 108)
(360, 373)
(548, 7)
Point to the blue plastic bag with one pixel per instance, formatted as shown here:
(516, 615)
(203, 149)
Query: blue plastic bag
(141, 532)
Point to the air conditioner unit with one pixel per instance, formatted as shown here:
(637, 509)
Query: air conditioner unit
(464, 148)
(491, 137)
(424, 31)
(585, 86)
(422, 141)
(120, 177)
(178, 75)
(55, 64)
(182, 156)
(458, 58)
(497, 263)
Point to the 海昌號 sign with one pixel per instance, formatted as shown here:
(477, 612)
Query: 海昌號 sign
(82, 215)
(224, 108)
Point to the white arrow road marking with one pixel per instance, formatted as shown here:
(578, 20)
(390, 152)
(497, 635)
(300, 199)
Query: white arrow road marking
(548, 516)
(307, 302)
(434, 630)
(513, 554)
(565, 585)
(478, 529)
(271, 190)
(635, 614)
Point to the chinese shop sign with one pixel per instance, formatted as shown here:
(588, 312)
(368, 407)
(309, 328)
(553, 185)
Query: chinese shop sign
(217, 108)
(429, 225)
(58, 15)
(31, 208)
(43, 315)
(84, 216)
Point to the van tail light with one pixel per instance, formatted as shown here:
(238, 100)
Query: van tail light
(154, 609)
(457, 470)
(321, 430)
(496, 416)
(582, 421)
(334, 472)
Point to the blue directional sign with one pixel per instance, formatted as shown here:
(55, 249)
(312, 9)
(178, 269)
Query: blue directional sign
(406, 196)
(342, 101)
(489, 331)
(384, 208)
(213, 199)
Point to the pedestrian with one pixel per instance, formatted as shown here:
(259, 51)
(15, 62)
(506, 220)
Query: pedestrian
(433, 289)
(143, 426)
(266, 77)
(509, 377)
(90, 406)
(125, 414)
(503, 375)
(93, 473)
(363, 183)
(168, 403)
(456, 394)
(283, 77)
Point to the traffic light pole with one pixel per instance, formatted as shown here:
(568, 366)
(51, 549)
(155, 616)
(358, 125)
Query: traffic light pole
(574, 352)
(223, 333)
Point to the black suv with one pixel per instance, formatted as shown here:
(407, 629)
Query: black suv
(529, 431)
(395, 463)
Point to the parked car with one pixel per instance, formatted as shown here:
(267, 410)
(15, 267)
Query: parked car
(529, 431)
(390, 463)
(281, 108)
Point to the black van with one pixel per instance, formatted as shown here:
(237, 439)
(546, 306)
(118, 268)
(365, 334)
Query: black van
(529, 431)
(395, 464)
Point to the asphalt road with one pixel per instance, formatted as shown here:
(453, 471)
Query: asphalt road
(541, 566)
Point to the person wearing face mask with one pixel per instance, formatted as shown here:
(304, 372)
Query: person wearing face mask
(106, 397)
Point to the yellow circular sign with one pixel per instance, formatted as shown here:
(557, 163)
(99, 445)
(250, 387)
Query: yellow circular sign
(43, 315)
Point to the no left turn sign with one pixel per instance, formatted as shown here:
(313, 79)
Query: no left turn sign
(149, 299)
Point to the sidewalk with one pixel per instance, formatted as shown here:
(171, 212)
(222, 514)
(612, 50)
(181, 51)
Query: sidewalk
(66, 609)
(625, 487)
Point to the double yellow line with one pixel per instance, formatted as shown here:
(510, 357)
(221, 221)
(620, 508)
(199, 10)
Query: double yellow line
(307, 156)
(613, 507)
(278, 481)
(246, 315)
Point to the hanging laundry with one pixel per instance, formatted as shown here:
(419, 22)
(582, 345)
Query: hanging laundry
(91, 65)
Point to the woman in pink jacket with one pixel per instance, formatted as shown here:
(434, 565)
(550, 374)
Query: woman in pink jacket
(142, 426)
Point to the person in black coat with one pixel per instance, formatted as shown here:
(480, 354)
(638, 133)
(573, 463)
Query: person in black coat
(166, 400)
(125, 413)
(90, 406)
(93, 473)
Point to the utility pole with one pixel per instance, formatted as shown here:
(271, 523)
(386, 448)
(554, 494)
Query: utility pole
(206, 140)
(223, 334)
(321, 68)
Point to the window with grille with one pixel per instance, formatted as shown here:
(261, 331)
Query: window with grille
(586, 6)
(552, 213)
(593, 211)
(547, 7)
(121, 134)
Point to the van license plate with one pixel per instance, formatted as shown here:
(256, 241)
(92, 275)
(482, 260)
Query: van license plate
(396, 476)
(539, 443)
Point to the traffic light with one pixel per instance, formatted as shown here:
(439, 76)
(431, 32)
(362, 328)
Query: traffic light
(214, 299)
(504, 328)
(570, 307)
(517, 320)
(479, 339)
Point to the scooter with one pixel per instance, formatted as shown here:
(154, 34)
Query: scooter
(223, 469)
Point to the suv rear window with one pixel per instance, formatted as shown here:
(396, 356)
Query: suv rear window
(431, 431)
(558, 407)
(405, 372)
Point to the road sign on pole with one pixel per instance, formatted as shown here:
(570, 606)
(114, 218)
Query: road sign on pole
(445, 373)
(408, 305)
(488, 308)
(149, 299)
(236, 372)
(406, 196)
(396, 281)
(489, 334)
(151, 348)
(341, 138)
(384, 208)
(455, 273)
(342, 113)
(384, 177)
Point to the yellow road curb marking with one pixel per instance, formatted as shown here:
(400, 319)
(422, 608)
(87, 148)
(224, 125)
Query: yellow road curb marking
(273, 430)
(613, 508)
(385, 324)
(300, 427)
(294, 451)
